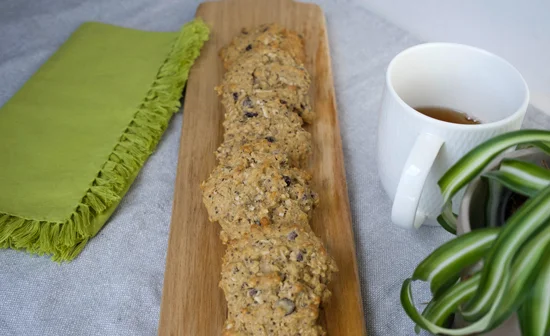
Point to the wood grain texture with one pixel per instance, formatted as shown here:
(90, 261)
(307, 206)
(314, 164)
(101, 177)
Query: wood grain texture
(192, 302)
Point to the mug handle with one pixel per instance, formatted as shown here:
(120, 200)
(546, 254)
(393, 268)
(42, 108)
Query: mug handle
(413, 177)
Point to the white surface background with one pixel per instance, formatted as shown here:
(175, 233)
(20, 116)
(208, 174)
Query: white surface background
(517, 30)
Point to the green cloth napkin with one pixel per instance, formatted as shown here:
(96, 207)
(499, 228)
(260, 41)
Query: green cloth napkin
(75, 136)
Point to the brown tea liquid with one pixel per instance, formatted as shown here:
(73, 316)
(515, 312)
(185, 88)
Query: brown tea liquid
(448, 115)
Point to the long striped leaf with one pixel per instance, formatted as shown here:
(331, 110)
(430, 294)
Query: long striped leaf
(532, 216)
(445, 287)
(438, 311)
(545, 146)
(407, 301)
(450, 259)
(523, 269)
(523, 274)
(534, 314)
(448, 219)
(472, 164)
(493, 203)
(521, 177)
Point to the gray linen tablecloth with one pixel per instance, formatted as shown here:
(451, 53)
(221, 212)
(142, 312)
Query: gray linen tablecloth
(114, 287)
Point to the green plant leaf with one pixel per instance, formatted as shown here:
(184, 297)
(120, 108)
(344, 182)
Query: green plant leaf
(439, 310)
(534, 174)
(523, 274)
(447, 261)
(473, 163)
(534, 314)
(521, 177)
(441, 291)
(480, 325)
(545, 146)
(426, 310)
(524, 222)
(445, 287)
(448, 219)
(493, 203)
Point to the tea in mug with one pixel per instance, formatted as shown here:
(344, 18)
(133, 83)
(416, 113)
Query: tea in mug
(448, 115)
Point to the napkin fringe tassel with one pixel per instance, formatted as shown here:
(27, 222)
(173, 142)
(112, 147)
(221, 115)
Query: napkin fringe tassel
(65, 240)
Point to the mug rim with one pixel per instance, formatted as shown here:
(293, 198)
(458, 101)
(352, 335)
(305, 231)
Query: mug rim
(517, 113)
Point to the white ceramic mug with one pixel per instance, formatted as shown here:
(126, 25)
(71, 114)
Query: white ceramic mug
(414, 150)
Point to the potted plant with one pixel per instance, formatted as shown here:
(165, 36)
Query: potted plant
(499, 265)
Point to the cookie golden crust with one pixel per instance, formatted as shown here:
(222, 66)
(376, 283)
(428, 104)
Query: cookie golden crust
(268, 74)
(244, 192)
(240, 106)
(293, 140)
(229, 330)
(267, 35)
(275, 271)
(292, 252)
(262, 56)
(274, 280)
(269, 120)
(262, 152)
(268, 68)
(296, 101)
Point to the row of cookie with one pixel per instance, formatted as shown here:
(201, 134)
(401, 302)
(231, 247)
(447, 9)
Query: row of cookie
(261, 113)
(268, 90)
(265, 92)
(275, 269)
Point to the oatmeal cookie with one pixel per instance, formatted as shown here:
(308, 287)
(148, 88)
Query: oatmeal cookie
(243, 107)
(274, 280)
(268, 68)
(268, 74)
(257, 189)
(270, 35)
(295, 104)
(270, 121)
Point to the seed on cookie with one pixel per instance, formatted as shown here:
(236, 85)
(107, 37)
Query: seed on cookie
(268, 35)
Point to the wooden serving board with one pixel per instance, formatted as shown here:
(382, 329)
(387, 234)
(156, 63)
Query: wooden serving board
(192, 302)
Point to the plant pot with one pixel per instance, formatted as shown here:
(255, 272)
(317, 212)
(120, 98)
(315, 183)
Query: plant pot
(472, 215)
